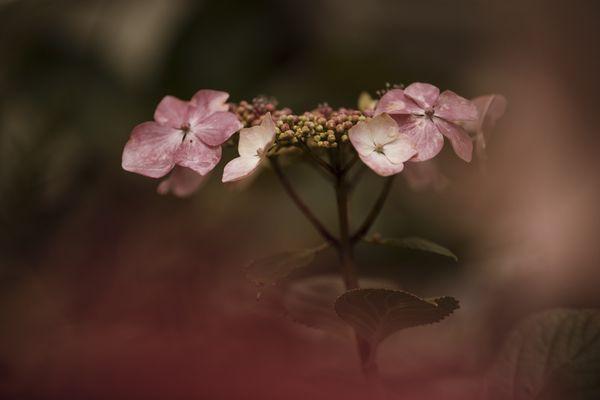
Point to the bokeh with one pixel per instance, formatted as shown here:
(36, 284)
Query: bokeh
(110, 290)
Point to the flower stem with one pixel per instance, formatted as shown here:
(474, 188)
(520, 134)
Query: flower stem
(377, 207)
(316, 159)
(365, 350)
(324, 232)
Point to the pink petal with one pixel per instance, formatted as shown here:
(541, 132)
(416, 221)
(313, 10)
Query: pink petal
(151, 149)
(425, 175)
(490, 108)
(257, 139)
(210, 101)
(196, 155)
(367, 135)
(217, 128)
(379, 163)
(239, 168)
(461, 142)
(400, 150)
(424, 135)
(395, 102)
(172, 112)
(454, 108)
(424, 94)
(360, 137)
(182, 182)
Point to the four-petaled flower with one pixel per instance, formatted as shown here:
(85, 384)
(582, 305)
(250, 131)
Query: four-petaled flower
(380, 145)
(189, 134)
(253, 146)
(425, 115)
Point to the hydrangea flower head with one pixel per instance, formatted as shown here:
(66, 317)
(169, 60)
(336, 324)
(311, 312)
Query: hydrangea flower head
(380, 145)
(184, 133)
(426, 116)
(253, 146)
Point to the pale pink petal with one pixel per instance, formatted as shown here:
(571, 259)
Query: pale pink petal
(490, 108)
(360, 137)
(382, 129)
(424, 135)
(195, 154)
(151, 149)
(461, 142)
(395, 102)
(217, 127)
(424, 94)
(239, 168)
(400, 150)
(379, 163)
(454, 108)
(425, 175)
(172, 112)
(368, 135)
(182, 182)
(255, 140)
(210, 101)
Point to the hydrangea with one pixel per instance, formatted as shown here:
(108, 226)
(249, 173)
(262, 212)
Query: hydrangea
(184, 133)
(252, 147)
(426, 116)
(381, 146)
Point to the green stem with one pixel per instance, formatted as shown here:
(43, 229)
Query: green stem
(300, 204)
(374, 213)
(365, 350)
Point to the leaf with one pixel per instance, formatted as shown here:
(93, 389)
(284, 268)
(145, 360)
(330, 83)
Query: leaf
(377, 313)
(310, 301)
(272, 269)
(414, 243)
(551, 355)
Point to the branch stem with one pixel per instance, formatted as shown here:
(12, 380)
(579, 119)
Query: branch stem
(316, 159)
(366, 351)
(323, 231)
(374, 213)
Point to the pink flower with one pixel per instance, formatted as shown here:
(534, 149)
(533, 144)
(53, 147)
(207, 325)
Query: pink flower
(380, 145)
(182, 182)
(253, 146)
(189, 134)
(490, 108)
(425, 115)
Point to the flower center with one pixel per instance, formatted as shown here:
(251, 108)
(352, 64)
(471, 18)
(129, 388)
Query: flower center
(185, 128)
(378, 148)
(429, 112)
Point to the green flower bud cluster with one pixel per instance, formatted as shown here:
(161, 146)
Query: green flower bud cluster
(321, 127)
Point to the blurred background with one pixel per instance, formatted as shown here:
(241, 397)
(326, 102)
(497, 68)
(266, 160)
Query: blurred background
(110, 290)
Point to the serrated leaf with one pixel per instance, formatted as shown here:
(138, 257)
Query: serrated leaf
(377, 313)
(310, 301)
(551, 355)
(414, 243)
(272, 269)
